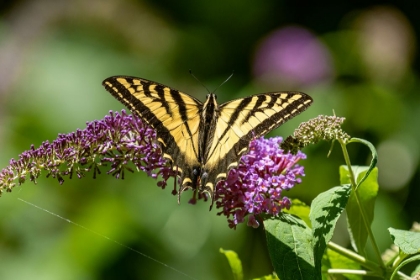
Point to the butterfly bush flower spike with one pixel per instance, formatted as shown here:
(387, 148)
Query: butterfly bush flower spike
(256, 187)
(114, 141)
(325, 128)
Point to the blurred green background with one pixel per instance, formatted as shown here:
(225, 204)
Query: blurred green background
(358, 58)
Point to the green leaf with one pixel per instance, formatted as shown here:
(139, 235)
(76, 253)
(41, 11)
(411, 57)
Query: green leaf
(326, 264)
(300, 209)
(325, 210)
(407, 241)
(268, 277)
(367, 193)
(374, 157)
(234, 262)
(339, 261)
(289, 242)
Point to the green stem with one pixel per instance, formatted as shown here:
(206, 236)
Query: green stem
(351, 271)
(362, 209)
(353, 256)
(347, 160)
(404, 276)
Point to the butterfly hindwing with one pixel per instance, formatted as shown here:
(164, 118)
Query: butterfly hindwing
(173, 114)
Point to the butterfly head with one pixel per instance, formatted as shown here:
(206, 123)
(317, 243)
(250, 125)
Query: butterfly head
(211, 100)
(211, 95)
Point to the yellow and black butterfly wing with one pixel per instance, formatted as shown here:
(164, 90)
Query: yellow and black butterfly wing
(174, 115)
(242, 120)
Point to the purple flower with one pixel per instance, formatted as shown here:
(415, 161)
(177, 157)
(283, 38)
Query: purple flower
(256, 186)
(294, 55)
(114, 141)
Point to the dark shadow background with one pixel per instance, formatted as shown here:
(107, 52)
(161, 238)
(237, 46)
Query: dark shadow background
(358, 58)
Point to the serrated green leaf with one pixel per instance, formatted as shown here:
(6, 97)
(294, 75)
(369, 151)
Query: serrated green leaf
(407, 241)
(367, 192)
(325, 210)
(300, 209)
(289, 242)
(234, 262)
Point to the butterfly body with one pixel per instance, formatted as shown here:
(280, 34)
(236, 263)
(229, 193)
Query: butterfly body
(203, 141)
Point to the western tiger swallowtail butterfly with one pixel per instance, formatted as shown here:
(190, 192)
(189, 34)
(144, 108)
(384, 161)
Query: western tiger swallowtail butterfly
(203, 141)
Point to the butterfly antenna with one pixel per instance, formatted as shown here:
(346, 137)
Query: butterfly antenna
(228, 78)
(191, 73)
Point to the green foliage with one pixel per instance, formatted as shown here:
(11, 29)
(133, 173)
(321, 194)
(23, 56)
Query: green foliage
(298, 249)
(289, 245)
(301, 210)
(234, 263)
(268, 277)
(412, 258)
(337, 261)
(407, 241)
(325, 210)
(366, 195)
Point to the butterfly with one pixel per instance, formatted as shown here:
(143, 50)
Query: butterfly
(203, 141)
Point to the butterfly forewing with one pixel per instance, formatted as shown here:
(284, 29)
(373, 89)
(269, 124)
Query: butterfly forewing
(173, 114)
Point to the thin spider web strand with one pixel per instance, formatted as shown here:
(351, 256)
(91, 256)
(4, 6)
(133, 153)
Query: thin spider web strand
(106, 237)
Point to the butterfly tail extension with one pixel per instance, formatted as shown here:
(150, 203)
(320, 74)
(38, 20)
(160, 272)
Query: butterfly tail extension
(189, 180)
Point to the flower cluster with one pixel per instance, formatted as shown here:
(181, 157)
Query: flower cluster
(116, 140)
(326, 128)
(256, 186)
(120, 140)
